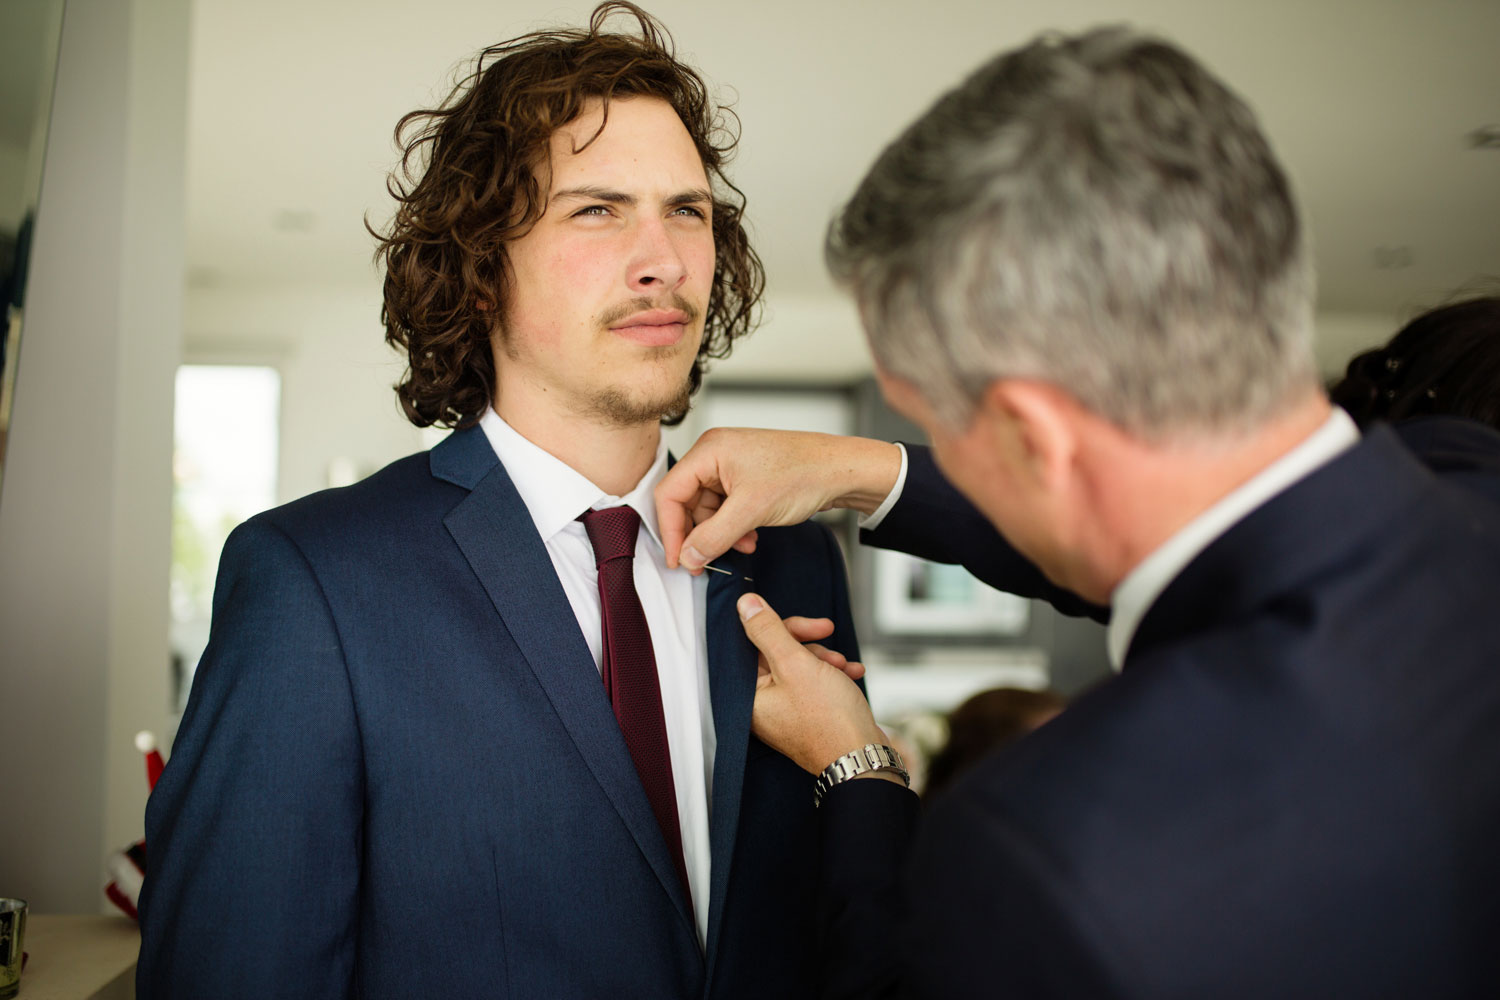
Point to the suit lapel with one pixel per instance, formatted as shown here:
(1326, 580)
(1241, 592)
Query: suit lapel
(1288, 540)
(498, 538)
(731, 680)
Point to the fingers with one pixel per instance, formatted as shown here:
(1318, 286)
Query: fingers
(852, 669)
(778, 647)
(703, 507)
(808, 629)
(805, 630)
(832, 657)
(674, 522)
(679, 520)
(736, 519)
(686, 494)
(734, 480)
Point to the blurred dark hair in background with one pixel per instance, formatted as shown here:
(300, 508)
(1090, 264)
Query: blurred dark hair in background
(1446, 361)
(987, 721)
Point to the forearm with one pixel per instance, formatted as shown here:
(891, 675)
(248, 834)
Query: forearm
(865, 471)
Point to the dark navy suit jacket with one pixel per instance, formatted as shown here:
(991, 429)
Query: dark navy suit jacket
(1292, 790)
(398, 774)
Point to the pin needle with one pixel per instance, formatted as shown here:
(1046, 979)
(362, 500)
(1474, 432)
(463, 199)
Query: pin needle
(710, 566)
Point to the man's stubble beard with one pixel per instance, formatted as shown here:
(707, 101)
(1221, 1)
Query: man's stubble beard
(614, 405)
(617, 406)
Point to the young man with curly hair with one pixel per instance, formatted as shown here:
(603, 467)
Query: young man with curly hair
(459, 731)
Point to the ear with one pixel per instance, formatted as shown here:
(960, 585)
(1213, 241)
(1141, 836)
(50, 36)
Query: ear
(1035, 421)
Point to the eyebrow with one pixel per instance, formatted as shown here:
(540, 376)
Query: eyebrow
(693, 196)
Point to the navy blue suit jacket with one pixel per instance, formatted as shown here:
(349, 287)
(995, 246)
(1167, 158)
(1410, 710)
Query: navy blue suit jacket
(1292, 790)
(398, 774)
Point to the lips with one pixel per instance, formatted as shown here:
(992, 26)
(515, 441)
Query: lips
(653, 327)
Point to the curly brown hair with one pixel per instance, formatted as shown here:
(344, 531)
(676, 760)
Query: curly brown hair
(472, 178)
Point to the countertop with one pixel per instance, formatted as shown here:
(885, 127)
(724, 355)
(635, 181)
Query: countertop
(80, 958)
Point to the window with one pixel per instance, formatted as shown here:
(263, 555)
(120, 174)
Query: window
(223, 471)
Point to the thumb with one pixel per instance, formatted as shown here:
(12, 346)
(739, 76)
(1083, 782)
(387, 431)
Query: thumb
(718, 533)
(768, 632)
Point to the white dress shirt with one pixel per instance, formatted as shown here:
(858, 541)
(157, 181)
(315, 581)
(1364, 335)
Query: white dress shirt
(675, 603)
(872, 520)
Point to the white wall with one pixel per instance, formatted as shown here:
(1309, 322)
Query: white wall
(802, 339)
(1341, 335)
(336, 371)
(85, 509)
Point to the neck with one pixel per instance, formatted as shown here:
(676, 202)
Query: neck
(612, 457)
(1143, 494)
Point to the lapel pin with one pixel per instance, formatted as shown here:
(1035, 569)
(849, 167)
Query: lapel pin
(716, 569)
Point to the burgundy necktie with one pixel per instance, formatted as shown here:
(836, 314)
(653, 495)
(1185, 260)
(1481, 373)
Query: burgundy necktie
(629, 669)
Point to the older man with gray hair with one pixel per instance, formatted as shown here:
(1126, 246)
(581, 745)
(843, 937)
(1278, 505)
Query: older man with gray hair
(1082, 273)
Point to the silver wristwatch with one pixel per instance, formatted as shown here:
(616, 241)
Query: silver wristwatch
(870, 757)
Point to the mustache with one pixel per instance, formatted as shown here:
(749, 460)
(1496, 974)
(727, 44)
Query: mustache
(614, 314)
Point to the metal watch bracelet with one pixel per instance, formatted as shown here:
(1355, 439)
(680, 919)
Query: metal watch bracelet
(870, 757)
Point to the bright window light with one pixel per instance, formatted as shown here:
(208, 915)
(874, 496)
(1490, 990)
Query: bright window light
(223, 471)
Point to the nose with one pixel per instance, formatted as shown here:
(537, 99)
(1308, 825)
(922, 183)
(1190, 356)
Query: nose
(657, 263)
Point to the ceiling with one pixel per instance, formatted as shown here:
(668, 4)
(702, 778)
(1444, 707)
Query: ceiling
(1369, 103)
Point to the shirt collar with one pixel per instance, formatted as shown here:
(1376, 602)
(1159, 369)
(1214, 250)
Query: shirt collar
(1135, 594)
(555, 493)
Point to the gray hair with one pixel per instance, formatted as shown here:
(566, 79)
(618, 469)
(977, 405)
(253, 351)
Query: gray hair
(1098, 212)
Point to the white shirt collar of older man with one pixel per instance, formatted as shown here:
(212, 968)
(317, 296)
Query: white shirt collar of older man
(1144, 584)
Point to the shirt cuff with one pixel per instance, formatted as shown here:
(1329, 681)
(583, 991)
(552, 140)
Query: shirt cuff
(872, 521)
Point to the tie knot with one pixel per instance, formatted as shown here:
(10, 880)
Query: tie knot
(612, 532)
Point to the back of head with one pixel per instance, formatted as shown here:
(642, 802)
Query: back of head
(1446, 361)
(1096, 211)
(474, 177)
